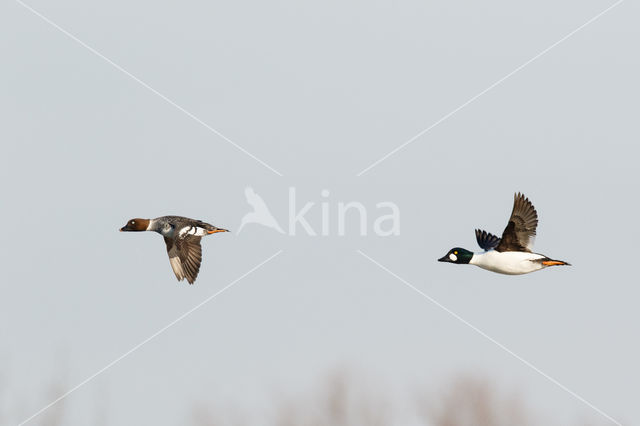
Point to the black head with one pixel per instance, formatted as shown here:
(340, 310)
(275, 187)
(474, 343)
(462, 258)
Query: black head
(457, 255)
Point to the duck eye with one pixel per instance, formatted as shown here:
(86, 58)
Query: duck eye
(455, 252)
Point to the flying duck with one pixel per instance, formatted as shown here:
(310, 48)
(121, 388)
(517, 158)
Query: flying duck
(510, 254)
(182, 237)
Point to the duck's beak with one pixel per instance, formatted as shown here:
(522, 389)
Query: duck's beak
(444, 258)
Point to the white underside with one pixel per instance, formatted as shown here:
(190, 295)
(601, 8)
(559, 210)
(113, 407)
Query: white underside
(507, 262)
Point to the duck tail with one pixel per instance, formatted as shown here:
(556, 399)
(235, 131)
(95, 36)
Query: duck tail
(552, 262)
(213, 231)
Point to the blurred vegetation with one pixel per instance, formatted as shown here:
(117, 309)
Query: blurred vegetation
(472, 401)
(342, 400)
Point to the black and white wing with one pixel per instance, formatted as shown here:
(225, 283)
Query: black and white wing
(486, 240)
(521, 229)
(185, 256)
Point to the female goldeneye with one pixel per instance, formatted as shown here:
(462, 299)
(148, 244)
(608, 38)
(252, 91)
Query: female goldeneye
(510, 254)
(182, 236)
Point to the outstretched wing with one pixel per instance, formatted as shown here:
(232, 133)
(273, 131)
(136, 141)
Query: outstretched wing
(185, 256)
(521, 229)
(486, 240)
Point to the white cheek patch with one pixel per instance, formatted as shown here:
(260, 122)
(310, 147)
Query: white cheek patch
(453, 257)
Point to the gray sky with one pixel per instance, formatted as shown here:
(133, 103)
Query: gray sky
(318, 91)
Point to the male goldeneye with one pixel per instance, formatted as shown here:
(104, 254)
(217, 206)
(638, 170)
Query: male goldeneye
(510, 254)
(182, 236)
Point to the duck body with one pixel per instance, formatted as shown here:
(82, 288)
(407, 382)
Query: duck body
(510, 254)
(179, 227)
(508, 262)
(182, 237)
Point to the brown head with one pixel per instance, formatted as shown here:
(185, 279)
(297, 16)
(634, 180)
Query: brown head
(136, 224)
